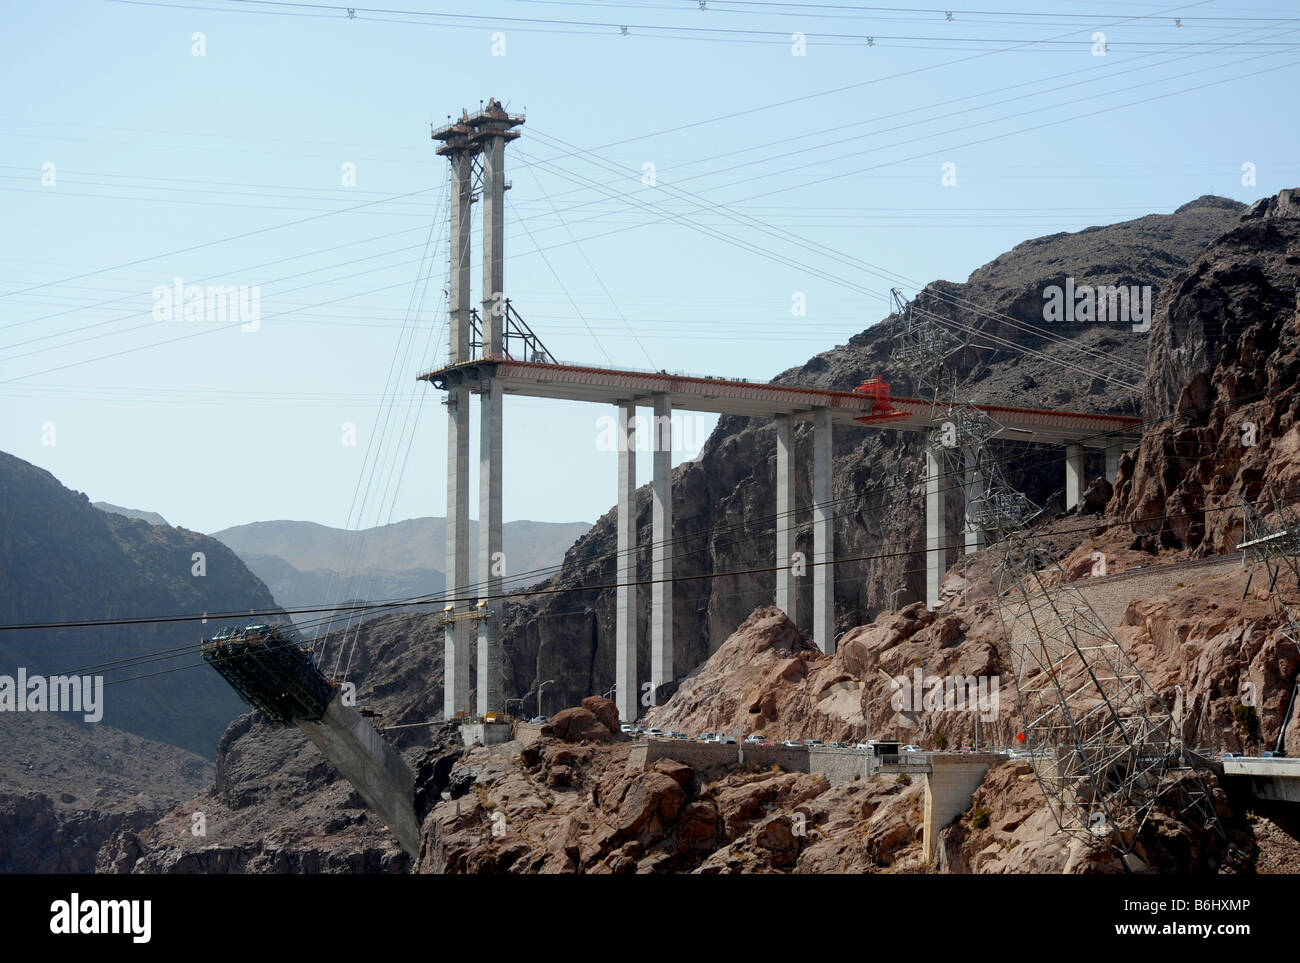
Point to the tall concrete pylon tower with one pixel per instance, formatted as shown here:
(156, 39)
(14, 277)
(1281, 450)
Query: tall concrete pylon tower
(484, 136)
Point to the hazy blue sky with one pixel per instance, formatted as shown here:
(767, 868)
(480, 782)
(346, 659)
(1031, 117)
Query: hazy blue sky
(229, 168)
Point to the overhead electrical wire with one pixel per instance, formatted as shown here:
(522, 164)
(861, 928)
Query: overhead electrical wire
(666, 31)
(77, 363)
(436, 597)
(640, 137)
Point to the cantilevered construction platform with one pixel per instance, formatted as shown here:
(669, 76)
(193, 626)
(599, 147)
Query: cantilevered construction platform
(497, 375)
(279, 678)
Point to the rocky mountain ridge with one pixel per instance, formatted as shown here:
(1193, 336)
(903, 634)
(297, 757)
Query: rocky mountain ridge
(61, 559)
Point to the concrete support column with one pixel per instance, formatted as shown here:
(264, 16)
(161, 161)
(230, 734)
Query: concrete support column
(1113, 450)
(823, 534)
(462, 193)
(491, 561)
(625, 679)
(494, 200)
(935, 535)
(456, 645)
(661, 557)
(973, 485)
(949, 786)
(786, 524)
(1073, 475)
(376, 770)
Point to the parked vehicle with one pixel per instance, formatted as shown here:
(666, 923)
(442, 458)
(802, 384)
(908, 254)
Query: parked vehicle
(810, 743)
(1231, 755)
(793, 744)
(625, 729)
(725, 739)
(706, 736)
(911, 749)
(1272, 754)
(654, 732)
(838, 745)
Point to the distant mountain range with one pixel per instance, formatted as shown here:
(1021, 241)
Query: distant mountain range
(63, 560)
(308, 565)
(153, 518)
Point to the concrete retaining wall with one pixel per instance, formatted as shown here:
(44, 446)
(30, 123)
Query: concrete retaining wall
(1274, 779)
(948, 790)
(527, 732)
(837, 765)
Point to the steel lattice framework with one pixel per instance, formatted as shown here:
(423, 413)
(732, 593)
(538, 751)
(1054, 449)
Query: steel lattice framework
(922, 349)
(1104, 746)
(1276, 543)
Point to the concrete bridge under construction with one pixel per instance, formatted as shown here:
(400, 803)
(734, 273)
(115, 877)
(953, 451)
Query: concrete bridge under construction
(481, 363)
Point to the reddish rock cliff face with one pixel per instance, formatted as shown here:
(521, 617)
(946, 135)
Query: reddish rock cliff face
(768, 678)
(1223, 390)
(601, 817)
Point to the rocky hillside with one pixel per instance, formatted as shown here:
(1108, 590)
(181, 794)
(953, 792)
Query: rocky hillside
(153, 518)
(61, 559)
(723, 502)
(560, 807)
(276, 804)
(66, 787)
(568, 801)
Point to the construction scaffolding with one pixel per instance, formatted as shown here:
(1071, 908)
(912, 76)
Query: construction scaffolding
(527, 345)
(276, 675)
(270, 671)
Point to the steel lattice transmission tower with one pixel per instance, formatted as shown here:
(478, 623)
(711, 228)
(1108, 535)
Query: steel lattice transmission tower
(1104, 746)
(922, 349)
(1277, 544)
